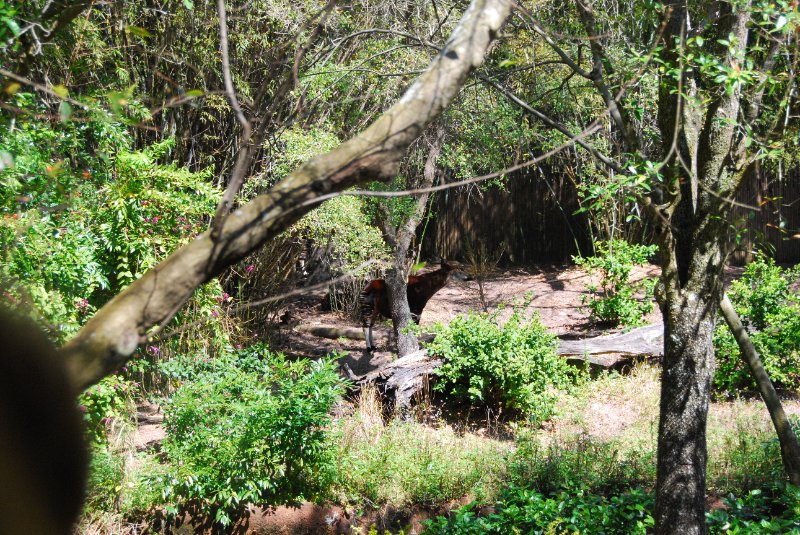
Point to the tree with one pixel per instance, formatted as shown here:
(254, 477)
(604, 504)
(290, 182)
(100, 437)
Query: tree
(399, 231)
(722, 91)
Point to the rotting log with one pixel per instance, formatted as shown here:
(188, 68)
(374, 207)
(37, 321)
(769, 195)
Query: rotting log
(333, 332)
(403, 378)
(611, 350)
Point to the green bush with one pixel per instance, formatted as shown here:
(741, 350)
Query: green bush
(770, 311)
(251, 430)
(614, 302)
(505, 366)
(774, 509)
(339, 233)
(111, 398)
(84, 214)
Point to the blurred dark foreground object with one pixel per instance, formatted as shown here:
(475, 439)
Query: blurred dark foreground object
(43, 457)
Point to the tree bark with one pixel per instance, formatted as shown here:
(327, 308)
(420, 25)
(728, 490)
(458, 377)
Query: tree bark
(790, 450)
(685, 384)
(396, 282)
(116, 330)
(704, 160)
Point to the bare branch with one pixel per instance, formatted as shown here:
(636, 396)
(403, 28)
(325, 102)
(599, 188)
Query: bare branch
(601, 66)
(591, 129)
(245, 147)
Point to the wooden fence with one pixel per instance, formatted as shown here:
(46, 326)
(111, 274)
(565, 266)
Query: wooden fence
(534, 219)
(769, 215)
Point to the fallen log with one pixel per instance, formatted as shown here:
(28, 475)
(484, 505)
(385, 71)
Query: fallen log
(609, 350)
(647, 340)
(332, 331)
(403, 378)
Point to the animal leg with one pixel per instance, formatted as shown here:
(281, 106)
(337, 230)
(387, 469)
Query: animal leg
(368, 336)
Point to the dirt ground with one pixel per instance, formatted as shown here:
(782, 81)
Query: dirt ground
(553, 291)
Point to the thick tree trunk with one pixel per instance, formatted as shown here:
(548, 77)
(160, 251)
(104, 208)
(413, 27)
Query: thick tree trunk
(704, 162)
(790, 450)
(685, 383)
(401, 314)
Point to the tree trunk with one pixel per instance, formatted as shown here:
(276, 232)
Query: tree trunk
(400, 238)
(685, 384)
(704, 161)
(790, 450)
(691, 289)
(401, 315)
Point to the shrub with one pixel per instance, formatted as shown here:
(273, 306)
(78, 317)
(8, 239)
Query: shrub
(339, 233)
(511, 366)
(84, 214)
(770, 311)
(111, 398)
(251, 430)
(615, 302)
(774, 509)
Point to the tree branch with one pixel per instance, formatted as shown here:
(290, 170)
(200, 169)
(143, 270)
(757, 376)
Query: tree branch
(553, 124)
(602, 65)
(790, 450)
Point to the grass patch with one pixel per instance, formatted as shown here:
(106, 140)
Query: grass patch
(402, 462)
(744, 453)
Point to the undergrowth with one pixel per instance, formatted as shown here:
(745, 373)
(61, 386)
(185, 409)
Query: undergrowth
(403, 463)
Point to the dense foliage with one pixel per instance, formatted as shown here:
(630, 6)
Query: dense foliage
(114, 151)
(84, 214)
(768, 303)
(250, 427)
(511, 365)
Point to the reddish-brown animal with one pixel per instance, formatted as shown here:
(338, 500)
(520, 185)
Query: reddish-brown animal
(374, 299)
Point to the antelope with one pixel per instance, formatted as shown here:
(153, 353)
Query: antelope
(374, 299)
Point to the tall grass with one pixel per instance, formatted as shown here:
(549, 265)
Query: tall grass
(403, 462)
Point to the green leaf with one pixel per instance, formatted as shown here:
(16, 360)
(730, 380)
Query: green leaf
(13, 26)
(188, 4)
(61, 91)
(139, 31)
(64, 111)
